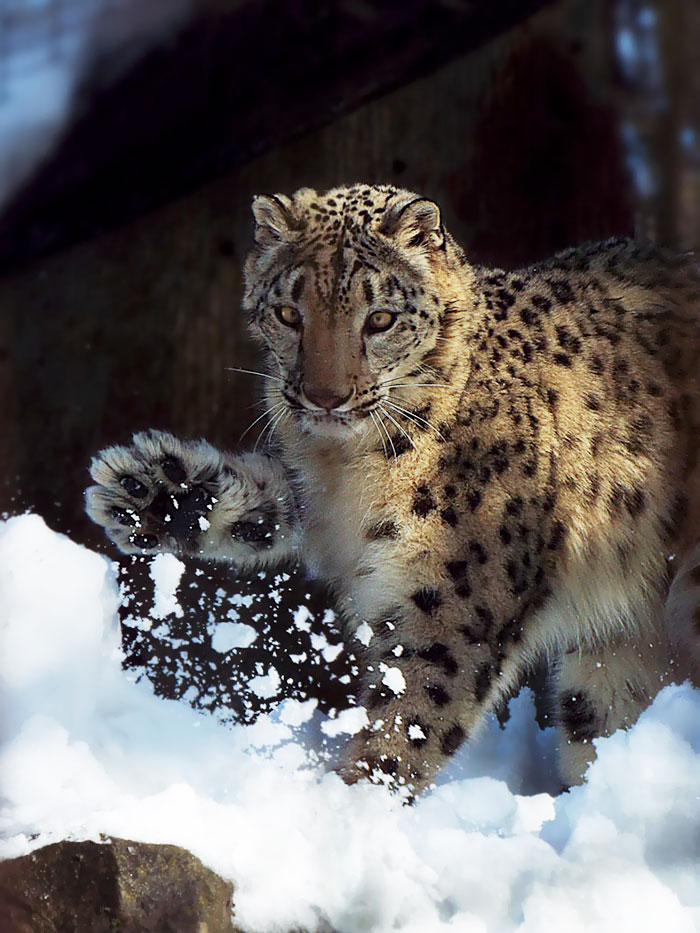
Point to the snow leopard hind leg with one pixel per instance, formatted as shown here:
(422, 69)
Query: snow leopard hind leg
(185, 497)
(682, 616)
(602, 689)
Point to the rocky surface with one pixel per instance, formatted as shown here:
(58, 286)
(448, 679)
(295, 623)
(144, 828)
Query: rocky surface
(116, 885)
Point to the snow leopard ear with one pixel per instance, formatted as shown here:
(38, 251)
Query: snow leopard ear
(415, 223)
(274, 220)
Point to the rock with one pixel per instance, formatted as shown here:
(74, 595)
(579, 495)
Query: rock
(117, 885)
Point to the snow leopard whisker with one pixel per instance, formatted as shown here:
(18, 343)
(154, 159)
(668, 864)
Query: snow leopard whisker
(253, 372)
(381, 436)
(412, 416)
(400, 427)
(417, 385)
(269, 428)
(388, 435)
(268, 411)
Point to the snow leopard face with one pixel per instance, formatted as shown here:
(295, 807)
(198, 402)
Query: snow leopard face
(352, 293)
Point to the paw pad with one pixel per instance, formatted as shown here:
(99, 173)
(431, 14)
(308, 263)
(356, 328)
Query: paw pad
(257, 530)
(133, 486)
(145, 542)
(173, 469)
(124, 516)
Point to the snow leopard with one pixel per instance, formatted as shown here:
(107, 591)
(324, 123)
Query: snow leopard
(487, 467)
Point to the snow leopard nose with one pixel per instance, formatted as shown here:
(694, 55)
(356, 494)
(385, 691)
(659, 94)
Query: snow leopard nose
(325, 396)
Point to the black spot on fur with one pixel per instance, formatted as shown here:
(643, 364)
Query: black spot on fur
(439, 696)
(456, 568)
(441, 656)
(635, 501)
(452, 739)
(567, 340)
(514, 506)
(383, 529)
(478, 551)
(427, 599)
(498, 454)
(401, 446)
(638, 434)
(380, 697)
(562, 291)
(562, 359)
(578, 717)
(616, 497)
(541, 302)
(549, 500)
(388, 764)
(482, 681)
(473, 499)
(449, 516)
(557, 536)
(504, 535)
(485, 615)
(423, 502)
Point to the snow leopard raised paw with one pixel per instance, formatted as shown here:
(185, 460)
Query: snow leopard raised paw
(188, 498)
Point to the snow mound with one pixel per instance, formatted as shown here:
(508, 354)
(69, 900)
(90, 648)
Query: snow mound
(87, 751)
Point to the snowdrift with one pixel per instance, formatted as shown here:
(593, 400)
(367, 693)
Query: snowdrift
(87, 751)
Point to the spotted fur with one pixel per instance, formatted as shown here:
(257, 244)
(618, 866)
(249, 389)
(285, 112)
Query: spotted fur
(504, 472)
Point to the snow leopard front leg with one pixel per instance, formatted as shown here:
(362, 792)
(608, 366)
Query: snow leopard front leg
(162, 494)
(430, 672)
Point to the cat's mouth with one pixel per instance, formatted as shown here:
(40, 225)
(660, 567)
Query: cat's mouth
(322, 419)
(331, 422)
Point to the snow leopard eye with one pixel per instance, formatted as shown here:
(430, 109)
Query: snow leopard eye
(288, 316)
(379, 321)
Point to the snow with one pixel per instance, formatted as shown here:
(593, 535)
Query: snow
(492, 849)
(348, 722)
(228, 635)
(166, 571)
(364, 634)
(393, 678)
(266, 685)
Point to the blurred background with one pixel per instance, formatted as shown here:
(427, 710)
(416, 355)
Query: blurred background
(133, 135)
